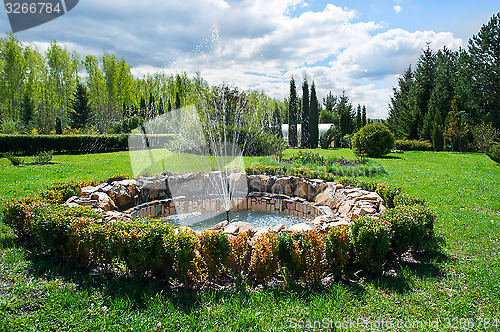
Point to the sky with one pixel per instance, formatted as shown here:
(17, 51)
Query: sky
(359, 47)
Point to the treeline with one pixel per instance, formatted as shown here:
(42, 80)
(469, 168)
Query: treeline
(39, 90)
(451, 98)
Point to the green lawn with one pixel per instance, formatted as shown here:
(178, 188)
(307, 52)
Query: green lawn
(457, 285)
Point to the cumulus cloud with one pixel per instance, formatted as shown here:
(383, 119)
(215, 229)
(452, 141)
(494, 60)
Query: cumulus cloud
(255, 44)
(398, 8)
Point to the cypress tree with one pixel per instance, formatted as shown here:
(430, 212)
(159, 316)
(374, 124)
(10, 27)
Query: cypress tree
(363, 116)
(313, 119)
(357, 119)
(160, 107)
(276, 124)
(58, 126)
(142, 108)
(437, 132)
(177, 101)
(292, 115)
(169, 107)
(304, 135)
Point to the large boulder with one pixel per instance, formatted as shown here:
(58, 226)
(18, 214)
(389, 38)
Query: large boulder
(238, 185)
(103, 201)
(189, 184)
(123, 193)
(259, 183)
(284, 185)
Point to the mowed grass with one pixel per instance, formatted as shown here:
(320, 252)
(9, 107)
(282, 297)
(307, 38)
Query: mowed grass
(454, 286)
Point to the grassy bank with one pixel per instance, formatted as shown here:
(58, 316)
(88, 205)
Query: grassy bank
(454, 286)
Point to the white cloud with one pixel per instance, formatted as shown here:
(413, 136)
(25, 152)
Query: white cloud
(398, 8)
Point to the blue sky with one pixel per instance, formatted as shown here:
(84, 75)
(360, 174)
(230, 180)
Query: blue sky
(357, 46)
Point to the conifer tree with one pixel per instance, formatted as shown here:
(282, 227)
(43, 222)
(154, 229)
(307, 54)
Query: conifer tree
(363, 117)
(292, 115)
(80, 115)
(276, 123)
(304, 135)
(177, 100)
(160, 107)
(27, 109)
(313, 119)
(437, 132)
(357, 119)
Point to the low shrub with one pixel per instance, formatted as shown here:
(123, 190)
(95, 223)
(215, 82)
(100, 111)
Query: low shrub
(412, 145)
(51, 226)
(60, 192)
(214, 249)
(252, 142)
(90, 242)
(182, 246)
(494, 152)
(314, 256)
(140, 244)
(409, 225)
(328, 137)
(388, 193)
(370, 239)
(239, 256)
(403, 199)
(375, 139)
(264, 259)
(43, 157)
(337, 246)
(18, 214)
(291, 250)
(14, 160)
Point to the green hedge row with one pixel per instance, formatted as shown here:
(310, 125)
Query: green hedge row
(32, 144)
(151, 247)
(412, 145)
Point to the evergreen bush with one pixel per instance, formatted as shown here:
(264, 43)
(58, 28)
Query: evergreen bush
(375, 139)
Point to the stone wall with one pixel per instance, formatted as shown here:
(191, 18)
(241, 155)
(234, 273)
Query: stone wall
(322, 204)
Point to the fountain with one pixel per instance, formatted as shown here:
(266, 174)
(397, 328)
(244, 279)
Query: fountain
(197, 145)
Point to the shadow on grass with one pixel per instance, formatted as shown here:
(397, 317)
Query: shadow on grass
(139, 290)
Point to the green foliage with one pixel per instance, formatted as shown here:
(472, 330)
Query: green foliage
(276, 126)
(58, 128)
(305, 138)
(140, 243)
(337, 246)
(60, 192)
(51, 224)
(31, 144)
(412, 145)
(293, 110)
(182, 246)
(456, 130)
(291, 251)
(252, 141)
(80, 114)
(15, 161)
(313, 118)
(314, 261)
(19, 213)
(43, 157)
(328, 137)
(214, 249)
(484, 136)
(388, 193)
(409, 225)
(264, 260)
(370, 239)
(375, 139)
(494, 152)
(239, 256)
(126, 125)
(403, 199)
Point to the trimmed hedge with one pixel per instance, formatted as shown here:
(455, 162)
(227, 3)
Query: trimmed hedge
(32, 144)
(412, 145)
(152, 247)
